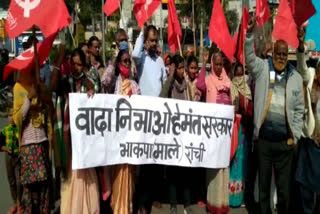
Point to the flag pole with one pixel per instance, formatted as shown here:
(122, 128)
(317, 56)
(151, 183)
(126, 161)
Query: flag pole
(36, 58)
(121, 13)
(194, 30)
(72, 37)
(179, 45)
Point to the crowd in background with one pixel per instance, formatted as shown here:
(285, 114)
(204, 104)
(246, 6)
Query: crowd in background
(276, 130)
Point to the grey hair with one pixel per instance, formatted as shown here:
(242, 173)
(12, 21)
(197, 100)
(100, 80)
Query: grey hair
(215, 55)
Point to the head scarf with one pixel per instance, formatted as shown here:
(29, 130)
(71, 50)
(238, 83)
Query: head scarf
(216, 84)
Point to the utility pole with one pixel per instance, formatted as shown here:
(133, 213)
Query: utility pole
(103, 32)
(161, 29)
(77, 7)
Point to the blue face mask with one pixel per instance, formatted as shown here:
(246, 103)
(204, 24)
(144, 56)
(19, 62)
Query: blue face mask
(123, 46)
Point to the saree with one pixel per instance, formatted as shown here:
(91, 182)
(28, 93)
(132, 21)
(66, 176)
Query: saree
(123, 175)
(79, 189)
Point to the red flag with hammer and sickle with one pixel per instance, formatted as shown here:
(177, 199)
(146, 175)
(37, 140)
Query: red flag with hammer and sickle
(49, 15)
(262, 12)
(144, 9)
(25, 61)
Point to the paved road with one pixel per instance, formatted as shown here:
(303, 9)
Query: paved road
(5, 197)
(6, 202)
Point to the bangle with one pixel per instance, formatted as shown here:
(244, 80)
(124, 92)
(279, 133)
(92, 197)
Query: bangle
(56, 67)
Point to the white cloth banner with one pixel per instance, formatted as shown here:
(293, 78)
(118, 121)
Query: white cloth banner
(114, 129)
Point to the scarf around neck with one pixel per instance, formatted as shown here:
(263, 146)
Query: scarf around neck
(179, 91)
(241, 85)
(215, 84)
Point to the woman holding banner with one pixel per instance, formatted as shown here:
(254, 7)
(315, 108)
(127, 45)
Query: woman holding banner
(216, 86)
(179, 178)
(79, 189)
(242, 100)
(123, 176)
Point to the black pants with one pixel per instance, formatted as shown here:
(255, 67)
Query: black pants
(309, 204)
(279, 156)
(149, 187)
(180, 181)
(252, 169)
(13, 173)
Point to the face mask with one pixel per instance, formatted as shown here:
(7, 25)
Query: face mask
(123, 46)
(124, 71)
(152, 51)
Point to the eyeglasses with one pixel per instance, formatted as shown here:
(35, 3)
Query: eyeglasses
(123, 40)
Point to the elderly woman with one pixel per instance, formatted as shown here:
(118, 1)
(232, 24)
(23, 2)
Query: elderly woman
(217, 87)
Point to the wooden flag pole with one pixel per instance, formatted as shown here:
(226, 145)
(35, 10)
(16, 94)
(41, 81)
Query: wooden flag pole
(36, 58)
(121, 13)
(194, 29)
(179, 45)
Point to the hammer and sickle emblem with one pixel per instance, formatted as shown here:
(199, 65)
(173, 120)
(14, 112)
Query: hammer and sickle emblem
(27, 6)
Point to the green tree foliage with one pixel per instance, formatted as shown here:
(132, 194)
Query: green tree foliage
(5, 4)
(203, 9)
(87, 9)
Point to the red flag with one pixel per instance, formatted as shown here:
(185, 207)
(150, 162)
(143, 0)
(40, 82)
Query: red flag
(285, 28)
(174, 29)
(219, 32)
(302, 10)
(111, 6)
(25, 61)
(262, 12)
(49, 15)
(242, 36)
(144, 9)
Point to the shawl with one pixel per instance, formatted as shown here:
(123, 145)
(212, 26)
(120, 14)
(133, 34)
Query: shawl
(38, 119)
(192, 91)
(179, 91)
(215, 84)
(126, 87)
(240, 88)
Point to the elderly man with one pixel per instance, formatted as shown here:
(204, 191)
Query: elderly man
(278, 116)
(150, 66)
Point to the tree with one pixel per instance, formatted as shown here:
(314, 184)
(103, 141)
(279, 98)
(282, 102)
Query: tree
(203, 10)
(5, 4)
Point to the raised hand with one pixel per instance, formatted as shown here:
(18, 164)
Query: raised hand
(301, 37)
(251, 25)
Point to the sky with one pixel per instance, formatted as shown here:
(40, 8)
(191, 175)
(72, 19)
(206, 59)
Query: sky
(313, 31)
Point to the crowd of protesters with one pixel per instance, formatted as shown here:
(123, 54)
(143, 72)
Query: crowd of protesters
(277, 119)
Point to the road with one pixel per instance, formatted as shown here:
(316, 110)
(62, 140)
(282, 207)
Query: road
(6, 202)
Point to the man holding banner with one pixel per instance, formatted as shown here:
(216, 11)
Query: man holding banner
(151, 77)
(278, 113)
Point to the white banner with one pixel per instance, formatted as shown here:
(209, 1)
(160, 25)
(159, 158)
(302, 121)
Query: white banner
(113, 129)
